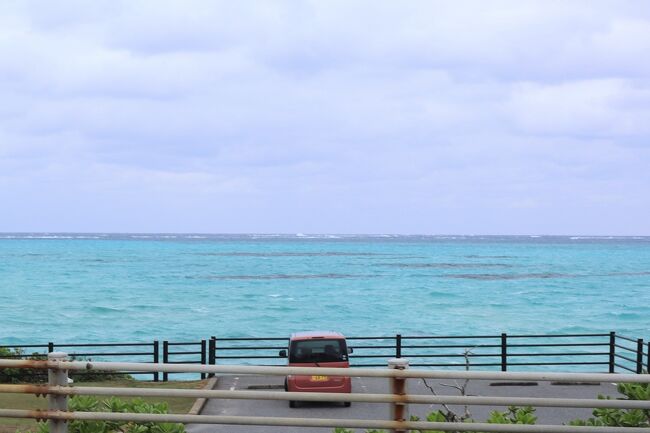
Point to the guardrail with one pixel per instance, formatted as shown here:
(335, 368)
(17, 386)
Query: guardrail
(628, 354)
(597, 352)
(610, 352)
(57, 390)
(134, 351)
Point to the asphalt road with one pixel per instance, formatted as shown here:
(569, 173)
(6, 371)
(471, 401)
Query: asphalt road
(382, 411)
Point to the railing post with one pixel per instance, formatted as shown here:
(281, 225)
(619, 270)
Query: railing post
(212, 349)
(156, 355)
(57, 377)
(639, 356)
(398, 410)
(504, 352)
(612, 352)
(398, 346)
(165, 359)
(50, 347)
(203, 357)
(647, 360)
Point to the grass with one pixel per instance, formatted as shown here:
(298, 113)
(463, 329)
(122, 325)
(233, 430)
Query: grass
(29, 401)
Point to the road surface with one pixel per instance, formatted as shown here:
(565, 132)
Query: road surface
(380, 410)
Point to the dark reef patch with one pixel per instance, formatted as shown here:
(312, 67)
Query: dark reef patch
(280, 276)
(447, 265)
(289, 254)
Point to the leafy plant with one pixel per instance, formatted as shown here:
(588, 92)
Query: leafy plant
(513, 415)
(114, 404)
(23, 375)
(621, 417)
(20, 375)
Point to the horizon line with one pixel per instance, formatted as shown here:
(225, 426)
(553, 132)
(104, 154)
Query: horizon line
(301, 234)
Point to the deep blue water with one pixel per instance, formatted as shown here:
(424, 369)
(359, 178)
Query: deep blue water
(93, 288)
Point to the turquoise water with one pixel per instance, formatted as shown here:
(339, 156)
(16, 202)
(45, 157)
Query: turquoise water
(103, 288)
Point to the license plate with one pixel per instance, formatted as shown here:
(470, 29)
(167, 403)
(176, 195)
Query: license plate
(319, 378)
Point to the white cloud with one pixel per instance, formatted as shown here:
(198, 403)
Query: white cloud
(328, 111)
(612, 108)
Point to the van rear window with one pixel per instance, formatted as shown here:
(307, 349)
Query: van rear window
(318, 350)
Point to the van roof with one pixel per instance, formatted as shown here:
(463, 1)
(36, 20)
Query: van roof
(308, 335)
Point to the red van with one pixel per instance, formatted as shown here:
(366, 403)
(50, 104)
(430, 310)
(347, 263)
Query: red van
(318, 349)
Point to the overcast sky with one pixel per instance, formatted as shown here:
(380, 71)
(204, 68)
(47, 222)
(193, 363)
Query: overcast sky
(456, 117)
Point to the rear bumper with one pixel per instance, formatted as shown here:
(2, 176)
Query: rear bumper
(292, 386)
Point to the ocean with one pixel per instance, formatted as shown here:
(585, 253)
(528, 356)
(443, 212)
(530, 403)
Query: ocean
(140, 287)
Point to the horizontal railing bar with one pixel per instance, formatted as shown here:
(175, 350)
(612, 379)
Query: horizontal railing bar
(625, 348)
(43, 374)
(312, 422)
(355, 347)
(447, 346)
(385, 337)
(385, 356)
(559, 354)
(624, 367)
(20, 346)
(24, 356)
(327, 371)
(254, 348)
(446, 337)
(560, 363)
(109, 373)
(255, 339)
(478, 364)
(184, 353)
(452, 355)
(110, 353)
(494, 355)
(626, 338)
(555, 335)
(84, 373)
(58, 346)
(326, 396)
(509, 363)
(258, 357)
(192, 343)
(558, 344)
(625, 358)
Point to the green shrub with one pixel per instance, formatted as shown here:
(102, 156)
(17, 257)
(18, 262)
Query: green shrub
(114, 404)
(513, 415)
(25, 375)
(19, 375)
(621, 417)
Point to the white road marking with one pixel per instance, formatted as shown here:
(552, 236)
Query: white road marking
(234, 383)
(363, 386)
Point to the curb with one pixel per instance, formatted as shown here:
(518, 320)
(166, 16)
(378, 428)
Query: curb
(198, 405)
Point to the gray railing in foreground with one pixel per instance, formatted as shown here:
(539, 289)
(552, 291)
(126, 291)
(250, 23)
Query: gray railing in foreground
(57, 391)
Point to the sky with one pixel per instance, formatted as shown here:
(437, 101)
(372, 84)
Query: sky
(418, 117)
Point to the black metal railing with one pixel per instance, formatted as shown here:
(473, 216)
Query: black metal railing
(628, 354)
(137, 352)
(505, 351)
(184, 352)
(610, 352)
